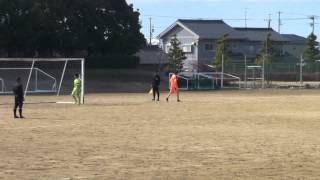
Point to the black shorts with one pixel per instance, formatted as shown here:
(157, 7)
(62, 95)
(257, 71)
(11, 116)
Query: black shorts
(18, 102)
(155, 88)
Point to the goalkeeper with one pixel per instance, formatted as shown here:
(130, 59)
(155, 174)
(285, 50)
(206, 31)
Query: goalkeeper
(76, 89)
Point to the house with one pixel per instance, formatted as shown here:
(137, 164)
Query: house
(255, 37)
(296, 44)
(198, 40)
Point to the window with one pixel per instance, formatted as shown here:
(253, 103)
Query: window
(251, 48)
(168, 46)
(187, 48)
(208, 47)
(234, 46)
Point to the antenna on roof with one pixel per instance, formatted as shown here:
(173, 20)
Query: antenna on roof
(245, 17)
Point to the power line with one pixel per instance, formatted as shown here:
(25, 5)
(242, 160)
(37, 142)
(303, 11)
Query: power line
(203, 18)
(246, 19)
(294, 19)
(161, 16)
(226, 19)
(298, 14)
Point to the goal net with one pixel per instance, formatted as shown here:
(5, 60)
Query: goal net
(206, 81)
(42, 75)
(254, 77)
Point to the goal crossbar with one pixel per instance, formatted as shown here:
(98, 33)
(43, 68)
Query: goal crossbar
(66, 60)
(41, 59)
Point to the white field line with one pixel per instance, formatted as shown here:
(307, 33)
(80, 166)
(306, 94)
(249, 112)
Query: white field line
(62, 102)
(37, 127)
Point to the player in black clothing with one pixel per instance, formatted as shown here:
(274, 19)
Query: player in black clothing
(18, 98)
(155, 86)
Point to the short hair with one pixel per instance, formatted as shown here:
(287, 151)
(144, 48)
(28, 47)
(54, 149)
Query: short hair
(76, 75)
(18, 79)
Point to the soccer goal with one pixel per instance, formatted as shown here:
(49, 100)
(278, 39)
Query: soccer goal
(254, 77)
(42, 75)
(206, 81)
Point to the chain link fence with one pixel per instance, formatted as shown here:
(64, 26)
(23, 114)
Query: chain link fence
(276, 75)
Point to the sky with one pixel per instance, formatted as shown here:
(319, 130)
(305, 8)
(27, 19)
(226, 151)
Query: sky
(294, 13)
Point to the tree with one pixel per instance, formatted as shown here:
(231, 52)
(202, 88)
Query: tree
(267, 51)
(267, 54)
(65, 26)
(16, 26)
(311, 52)
(175, 56)
(222, 49)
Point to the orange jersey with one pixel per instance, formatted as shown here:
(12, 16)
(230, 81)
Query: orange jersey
(173, 82)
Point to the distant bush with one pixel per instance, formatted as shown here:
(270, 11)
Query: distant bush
(113, 62)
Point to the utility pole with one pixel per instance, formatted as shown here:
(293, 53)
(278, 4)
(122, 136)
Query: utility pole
(313, 23)
(150, 37)
(279, 21)
(269, 21)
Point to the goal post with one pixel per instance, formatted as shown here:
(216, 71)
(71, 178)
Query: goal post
(29, 65)
(254, 75)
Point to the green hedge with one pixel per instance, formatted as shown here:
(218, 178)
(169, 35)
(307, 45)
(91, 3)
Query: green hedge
(113, 62)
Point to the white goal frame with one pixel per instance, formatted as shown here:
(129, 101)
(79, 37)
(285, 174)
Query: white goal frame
(34, 60)
(253, 78)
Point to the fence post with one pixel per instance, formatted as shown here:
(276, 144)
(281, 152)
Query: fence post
(245, 71)
(263, 73)
(222, 71)
(301, 70)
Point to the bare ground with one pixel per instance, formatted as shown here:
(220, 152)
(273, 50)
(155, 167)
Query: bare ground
(272, 134)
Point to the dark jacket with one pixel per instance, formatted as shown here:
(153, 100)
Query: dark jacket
(18, 91)
(156, 80)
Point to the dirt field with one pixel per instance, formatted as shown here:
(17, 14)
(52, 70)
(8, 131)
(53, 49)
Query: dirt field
(272, 134)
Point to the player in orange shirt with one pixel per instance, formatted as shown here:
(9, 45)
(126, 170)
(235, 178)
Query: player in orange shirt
(173, 87)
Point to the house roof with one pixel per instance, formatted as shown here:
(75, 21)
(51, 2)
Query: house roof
(260, 34)
(295, 38)
(210, 29)
(214, 29)
(205, 29)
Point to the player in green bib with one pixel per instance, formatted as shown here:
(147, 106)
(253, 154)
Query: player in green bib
(76, 89)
